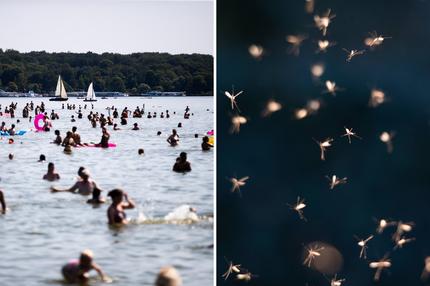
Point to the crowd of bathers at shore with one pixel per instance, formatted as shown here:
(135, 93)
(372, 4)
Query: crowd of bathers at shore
(77, 270)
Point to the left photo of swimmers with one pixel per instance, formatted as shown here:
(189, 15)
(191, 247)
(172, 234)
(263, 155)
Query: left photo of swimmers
(107, 142)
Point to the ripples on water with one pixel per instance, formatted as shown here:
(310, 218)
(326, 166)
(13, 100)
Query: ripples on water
(42, 231)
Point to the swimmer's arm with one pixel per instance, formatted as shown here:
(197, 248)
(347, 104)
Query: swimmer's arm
(72, 189)
(99, 271)
(129, 202)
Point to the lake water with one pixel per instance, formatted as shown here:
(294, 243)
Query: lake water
(42, 230)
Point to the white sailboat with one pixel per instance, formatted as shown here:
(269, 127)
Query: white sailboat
(91, 95)
(60, 91)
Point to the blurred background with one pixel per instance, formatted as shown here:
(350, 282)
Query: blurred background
(257, 229)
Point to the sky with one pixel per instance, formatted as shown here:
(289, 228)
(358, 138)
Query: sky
(121, 26)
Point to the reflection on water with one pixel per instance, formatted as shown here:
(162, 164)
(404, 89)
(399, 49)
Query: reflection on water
(42, 231)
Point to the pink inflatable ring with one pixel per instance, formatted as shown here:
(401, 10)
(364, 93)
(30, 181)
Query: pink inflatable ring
(37, 119)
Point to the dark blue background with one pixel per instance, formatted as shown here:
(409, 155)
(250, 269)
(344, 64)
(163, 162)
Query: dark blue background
(258, 230)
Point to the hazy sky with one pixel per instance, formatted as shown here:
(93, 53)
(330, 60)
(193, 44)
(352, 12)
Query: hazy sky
(123, 26)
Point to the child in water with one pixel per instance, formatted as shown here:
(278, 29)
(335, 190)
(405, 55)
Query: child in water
(76, 271)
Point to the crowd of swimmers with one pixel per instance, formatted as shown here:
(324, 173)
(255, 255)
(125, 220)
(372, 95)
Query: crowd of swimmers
(77, 270)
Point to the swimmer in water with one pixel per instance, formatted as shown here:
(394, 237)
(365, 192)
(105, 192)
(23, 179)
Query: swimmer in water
(182, 165)
(205, 144)
(10, 156)
(104, 142)
(173, 139)
(140, 151)
(76, 137)
(168, 276)
(96, 199)
(83, 187)
(68, 141)
(135, 127)
(115, 212)
(76, 271)
(42, 158)
(51, 175)
(2, 203)
(115, 127)
(58, 139)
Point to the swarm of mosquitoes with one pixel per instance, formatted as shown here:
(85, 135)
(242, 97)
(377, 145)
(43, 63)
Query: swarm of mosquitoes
(377, 97)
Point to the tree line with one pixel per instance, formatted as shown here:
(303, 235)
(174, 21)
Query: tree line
(135, 73)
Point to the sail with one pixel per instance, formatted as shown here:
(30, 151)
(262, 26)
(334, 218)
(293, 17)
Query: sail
(58, 89)
(90, 93)
(63, 93)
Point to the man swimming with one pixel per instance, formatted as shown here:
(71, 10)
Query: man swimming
(51, 175)
(182, 165)
(83, 187)
(76, 271)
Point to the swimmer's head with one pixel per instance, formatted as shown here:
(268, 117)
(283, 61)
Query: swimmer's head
(174, 131)
(179, 124)
(57, 132)
(86, 259)
(158, 133)
(51, 166)
(205, 139)
(135, 124)
(116, 195)
(80, 170)
(196, 135)
(183, 156)
(74, 128)
(69, 134)
(168, 276)
(85, 174)
(140, 151)
(42, 158)
(11, 141)
(10, 156)
(96, 194)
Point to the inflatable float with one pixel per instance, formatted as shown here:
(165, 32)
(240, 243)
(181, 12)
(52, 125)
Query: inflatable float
(110, 145)
(18, 133)
(37, 119)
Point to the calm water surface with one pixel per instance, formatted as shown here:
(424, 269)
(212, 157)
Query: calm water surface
(42, 231)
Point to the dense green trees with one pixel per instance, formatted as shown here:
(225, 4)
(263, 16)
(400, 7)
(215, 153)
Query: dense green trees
(134, 73)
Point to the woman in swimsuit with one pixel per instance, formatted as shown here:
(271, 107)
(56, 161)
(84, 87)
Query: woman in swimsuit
(83, 187)
(115, 212)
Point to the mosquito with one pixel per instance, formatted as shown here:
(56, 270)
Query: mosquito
(323, 45)
(231, 268)
(323, 146)
(232, 96)
(349, 133)
(271, 107)
(313, 252)
(331, 87)
(335, 181)
(322, 22)
(256, 51)
(379, 266)
(236, 122)
(383, 224)
(402, 241)
(375, 39)
(387, 138)
(377, 97)
(237, 183)
(245, 276)
(336, 282)
(401, 229)
(353, 53)
(298, 207)
(295, 41)
(363, 244)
